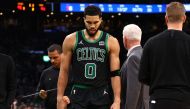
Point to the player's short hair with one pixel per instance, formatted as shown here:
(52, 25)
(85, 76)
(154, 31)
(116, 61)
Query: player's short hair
(132, 32)
(92, 11)
(54, 47)
(175, 11)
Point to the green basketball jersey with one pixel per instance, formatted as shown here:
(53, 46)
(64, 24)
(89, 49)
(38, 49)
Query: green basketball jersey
(90, 62)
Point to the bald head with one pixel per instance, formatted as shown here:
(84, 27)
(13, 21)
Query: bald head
(132, 32)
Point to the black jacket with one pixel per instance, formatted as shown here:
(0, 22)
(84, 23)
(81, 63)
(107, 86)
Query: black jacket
(48, 81)
(7, 81)
(165, 65)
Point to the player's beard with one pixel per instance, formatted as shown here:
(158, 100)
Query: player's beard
(92, 34)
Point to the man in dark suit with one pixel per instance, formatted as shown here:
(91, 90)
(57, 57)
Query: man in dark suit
(49, 77)
(7, 81)
(134, 94)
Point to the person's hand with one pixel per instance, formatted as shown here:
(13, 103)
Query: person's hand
(43, 94)
(66, 99)
(62, 102)
(115, 105)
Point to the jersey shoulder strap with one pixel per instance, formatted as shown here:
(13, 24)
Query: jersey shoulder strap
(78, 33)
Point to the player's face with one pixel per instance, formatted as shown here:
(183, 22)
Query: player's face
(92, 24)
(55, 58)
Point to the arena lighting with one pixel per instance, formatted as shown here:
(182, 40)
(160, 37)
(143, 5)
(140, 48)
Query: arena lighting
(42, 7)
(31, 6)
(13, 11)
(117, 8)
(47, 15)
(20, 6)
(46, 58)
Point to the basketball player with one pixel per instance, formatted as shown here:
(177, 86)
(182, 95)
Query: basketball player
(94, 56)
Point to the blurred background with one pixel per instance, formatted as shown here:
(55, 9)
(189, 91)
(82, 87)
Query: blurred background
(28, 27)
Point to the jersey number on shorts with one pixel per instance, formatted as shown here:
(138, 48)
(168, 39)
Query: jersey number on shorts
(90, 70)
